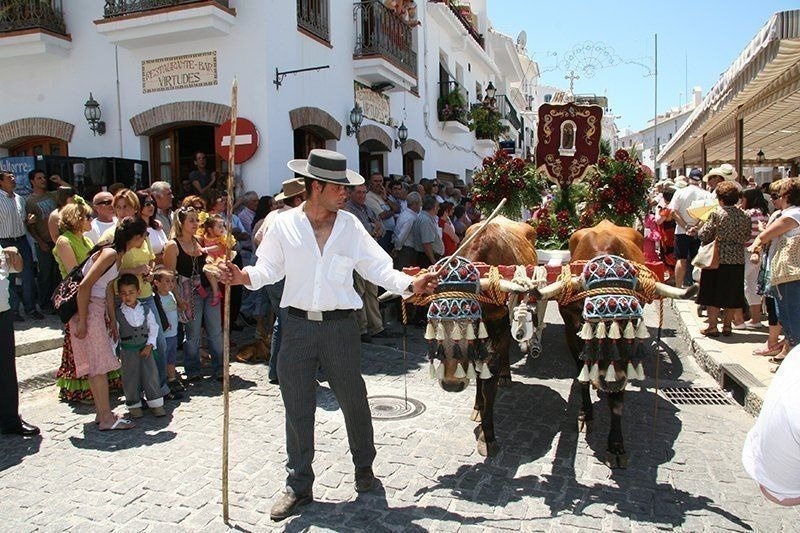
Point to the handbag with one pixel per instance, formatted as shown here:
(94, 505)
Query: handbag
(785, 262)
(707, 256)
(65, 295)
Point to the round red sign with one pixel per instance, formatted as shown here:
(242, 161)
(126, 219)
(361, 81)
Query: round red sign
(246, 140)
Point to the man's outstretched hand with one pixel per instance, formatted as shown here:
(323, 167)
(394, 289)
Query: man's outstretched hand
(230, 274)
(425, 283)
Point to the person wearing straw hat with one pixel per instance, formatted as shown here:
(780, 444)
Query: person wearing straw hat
(317, 247)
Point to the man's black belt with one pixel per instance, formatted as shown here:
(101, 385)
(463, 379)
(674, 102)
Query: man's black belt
(318, 316)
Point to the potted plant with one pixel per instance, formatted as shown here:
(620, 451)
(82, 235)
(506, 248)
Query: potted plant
(453, 106)
(485, 122)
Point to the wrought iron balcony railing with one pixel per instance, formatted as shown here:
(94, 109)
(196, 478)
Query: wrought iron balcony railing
(18, 15)
(312, 16)
(379, 32)
(508, 112)
(120, 8)
(457, 12)
(452, 103)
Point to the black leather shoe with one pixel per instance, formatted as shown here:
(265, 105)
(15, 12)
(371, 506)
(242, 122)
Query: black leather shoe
(365, 479)
(366, 338)
(22, 428)
(287, 505)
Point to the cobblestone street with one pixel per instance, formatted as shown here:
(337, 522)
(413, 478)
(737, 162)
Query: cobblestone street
(164, 475)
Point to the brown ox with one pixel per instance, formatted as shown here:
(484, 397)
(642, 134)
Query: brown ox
(503, 242)
(585, 244)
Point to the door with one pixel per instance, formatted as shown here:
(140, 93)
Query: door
(172, 154)
(40, 146)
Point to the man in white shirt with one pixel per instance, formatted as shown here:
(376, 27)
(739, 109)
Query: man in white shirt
(771, 453)
(686, 246)
(317, 247)
(403, 251)
(376, 200)
(104, 219)
(162, 194)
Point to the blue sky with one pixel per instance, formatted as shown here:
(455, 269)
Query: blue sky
(697, 42)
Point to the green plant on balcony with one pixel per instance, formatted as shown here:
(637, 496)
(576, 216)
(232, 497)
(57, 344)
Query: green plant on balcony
(453, 106)
(485, 122)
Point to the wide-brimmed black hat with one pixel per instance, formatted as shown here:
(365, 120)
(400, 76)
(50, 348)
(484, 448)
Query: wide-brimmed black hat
(326, 165)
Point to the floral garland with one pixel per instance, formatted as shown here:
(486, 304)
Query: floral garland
(557, 220)
(616, 190)
(503, 176)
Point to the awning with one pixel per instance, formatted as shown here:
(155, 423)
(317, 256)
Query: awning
(763, 88)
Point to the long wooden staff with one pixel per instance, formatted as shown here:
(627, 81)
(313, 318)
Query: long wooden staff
(226, 331)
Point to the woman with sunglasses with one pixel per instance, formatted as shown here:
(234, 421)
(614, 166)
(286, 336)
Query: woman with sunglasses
(70, 250)
(184, 254)
(155, 231)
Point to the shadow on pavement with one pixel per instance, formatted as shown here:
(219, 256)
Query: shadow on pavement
(13, 449)
(109, 441)
(209, 386)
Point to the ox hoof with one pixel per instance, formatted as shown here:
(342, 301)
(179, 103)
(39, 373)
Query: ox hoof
(504, 381)
(585, 425)
(487, 449)
(475, 416)
(616, 460)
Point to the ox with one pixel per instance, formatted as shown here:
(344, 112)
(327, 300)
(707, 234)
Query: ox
(604, 239)
(502, 242)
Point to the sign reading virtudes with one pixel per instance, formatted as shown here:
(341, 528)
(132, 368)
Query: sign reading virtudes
(179, 72)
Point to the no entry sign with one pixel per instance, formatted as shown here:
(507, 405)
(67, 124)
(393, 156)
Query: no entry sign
(246, 140)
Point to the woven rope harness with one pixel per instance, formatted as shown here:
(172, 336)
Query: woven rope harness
(646, 293)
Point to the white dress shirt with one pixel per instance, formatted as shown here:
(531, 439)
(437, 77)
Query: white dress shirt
(404, 228)
(99, 228)
(135, 317)
(322, 281)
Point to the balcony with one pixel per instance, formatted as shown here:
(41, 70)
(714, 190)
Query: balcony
(31, 28)
(384, 53)
(463, 15)
(312, 18)
(140, 23)
(452, 106)
(507, 112)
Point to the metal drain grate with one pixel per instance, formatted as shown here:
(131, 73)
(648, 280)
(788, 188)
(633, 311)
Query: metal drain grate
(394, 408)
(697, 396)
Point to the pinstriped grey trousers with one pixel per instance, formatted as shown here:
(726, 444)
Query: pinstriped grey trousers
(336, 346)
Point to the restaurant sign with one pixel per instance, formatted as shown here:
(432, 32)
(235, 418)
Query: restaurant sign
(179, 72)
(374, 105)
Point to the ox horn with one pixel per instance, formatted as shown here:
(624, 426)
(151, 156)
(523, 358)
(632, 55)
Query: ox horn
(668, 291)
(554, 290)
(505, 286)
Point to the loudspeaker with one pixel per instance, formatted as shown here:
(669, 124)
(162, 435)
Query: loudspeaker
(103, 171)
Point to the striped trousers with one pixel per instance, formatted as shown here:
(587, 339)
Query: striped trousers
(335, 345)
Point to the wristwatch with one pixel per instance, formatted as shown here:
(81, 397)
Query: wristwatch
(410, 287)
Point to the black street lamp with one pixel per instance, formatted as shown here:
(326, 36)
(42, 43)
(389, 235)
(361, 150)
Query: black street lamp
(760, 157)
(356, 117)
(402, 135)
(91, 110)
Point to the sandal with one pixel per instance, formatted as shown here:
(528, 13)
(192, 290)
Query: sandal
(769, 349)
(726, 331)
(710, 332)
(120, 424)
(776, 360)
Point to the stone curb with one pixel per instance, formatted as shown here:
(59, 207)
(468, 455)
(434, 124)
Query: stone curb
(710, 354)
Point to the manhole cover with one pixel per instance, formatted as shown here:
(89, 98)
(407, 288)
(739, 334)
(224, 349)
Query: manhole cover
(697, 396)
(394, 407)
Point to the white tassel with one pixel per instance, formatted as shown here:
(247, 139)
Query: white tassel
(640, 371)
(613, 331)
(586, 333)
(611, 373)
(482, 333)
(485, 373)
(600, 332)
(631, 371)
(456, 334)
(470, 332)
(429, 333)
(440, 371)
(471, 371)
(431, 371)
(440, 331)
(460, 371)
(594, 373)
(641, 330)
(583, 377)
(630, 331)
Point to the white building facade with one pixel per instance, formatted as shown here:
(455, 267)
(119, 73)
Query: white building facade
(161, 73)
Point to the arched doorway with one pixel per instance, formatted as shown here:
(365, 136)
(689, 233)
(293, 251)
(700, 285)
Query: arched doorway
(413, 154)
(313, 128)
(373, 143)
(39, 146)
(177, 131)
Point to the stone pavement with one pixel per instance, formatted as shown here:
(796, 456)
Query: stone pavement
(164, 475)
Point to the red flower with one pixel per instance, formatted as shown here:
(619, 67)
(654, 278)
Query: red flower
(622, 155)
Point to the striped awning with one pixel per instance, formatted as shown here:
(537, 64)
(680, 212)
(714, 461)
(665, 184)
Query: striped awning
(763, 88)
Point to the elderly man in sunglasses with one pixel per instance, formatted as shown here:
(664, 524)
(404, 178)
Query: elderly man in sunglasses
(103, 204)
